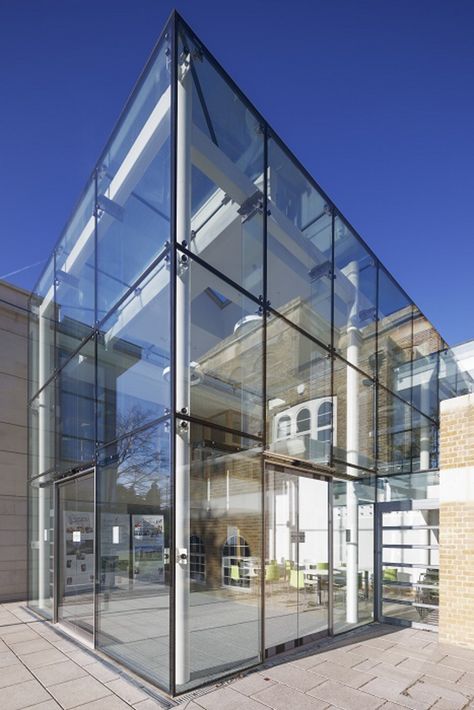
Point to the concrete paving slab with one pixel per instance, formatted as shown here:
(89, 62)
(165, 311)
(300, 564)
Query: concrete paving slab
(56, 673)
(253, 683)
(345, 697)
(379, 667)
(74, 693)
(126, 690)
(22, 695)
(281, 697)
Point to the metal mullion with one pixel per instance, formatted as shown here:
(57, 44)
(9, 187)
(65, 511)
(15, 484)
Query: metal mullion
(55, 551)
(95, 604)
(412, 448)
(144, 427)
(173, 276)
(406, 546)
(332, 360)
(411, 565)
(410, 527)
(96, 477)
(378, 583)
(264, 388)
(218, 427)
(330, 617)
(198, 260)
(55, 316)
(376, 387)
(369, 471)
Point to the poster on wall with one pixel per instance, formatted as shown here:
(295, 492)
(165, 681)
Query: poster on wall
(114, 549)
(78, 551)
(148, 548)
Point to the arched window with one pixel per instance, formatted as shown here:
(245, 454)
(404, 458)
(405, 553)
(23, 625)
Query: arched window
(197, 559)
(325, 421)
(236, 562)
(303, 420)
(284, 427)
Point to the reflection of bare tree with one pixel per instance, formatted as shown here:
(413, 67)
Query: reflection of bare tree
(142, 455)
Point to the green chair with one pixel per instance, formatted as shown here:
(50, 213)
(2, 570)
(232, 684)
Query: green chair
(235, 574)
(272, 572)
(297, 579)
(322, 566)
(390, 574)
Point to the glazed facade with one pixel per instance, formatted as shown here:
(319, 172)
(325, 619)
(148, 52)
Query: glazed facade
(222, 374)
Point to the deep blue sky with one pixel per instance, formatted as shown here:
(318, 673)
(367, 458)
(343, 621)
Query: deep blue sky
(375, 97)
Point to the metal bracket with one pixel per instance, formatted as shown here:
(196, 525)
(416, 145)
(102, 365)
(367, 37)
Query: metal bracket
(251, 206)
(184, 64)
(104, 204)
(182, 556)
(321, 270)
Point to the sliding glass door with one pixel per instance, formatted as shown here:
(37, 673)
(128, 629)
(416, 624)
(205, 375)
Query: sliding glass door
(76, 558)
(296, 558)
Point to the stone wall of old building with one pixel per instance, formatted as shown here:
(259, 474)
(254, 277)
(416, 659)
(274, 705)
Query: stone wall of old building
(456, 611)
(13, 441)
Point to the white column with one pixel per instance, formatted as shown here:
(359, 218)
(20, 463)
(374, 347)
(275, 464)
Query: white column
(352, 448)
(424, 428)
(183, 231)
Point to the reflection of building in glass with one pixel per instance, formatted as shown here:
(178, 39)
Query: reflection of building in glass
(239, 375)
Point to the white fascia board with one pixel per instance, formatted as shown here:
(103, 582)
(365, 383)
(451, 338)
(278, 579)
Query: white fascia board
(139, 301)
(144, 149)
(213, 163)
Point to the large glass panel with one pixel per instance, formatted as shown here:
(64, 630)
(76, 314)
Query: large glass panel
(218, 619)
(224, 140)
(394, 435)
(299, 233)
(355, 289)
(76, 409)
(353, 553)
(75, 276)
(394, 336)
(296, 557)
(41, 431)
(223, 360)
(40, 546)
(354, 397)
(41, 331)
(133, 359)
(301, 412)
(133, 221)
(133, 552)
(76, 554)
